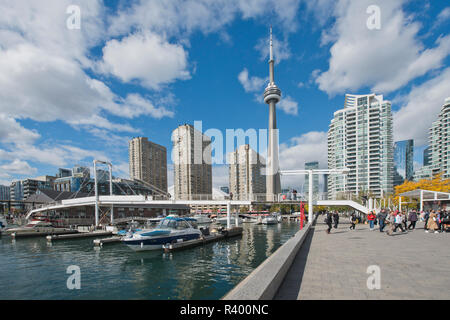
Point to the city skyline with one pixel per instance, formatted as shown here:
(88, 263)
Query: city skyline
(143, 100)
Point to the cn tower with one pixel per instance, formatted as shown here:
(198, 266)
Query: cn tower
(272, 96)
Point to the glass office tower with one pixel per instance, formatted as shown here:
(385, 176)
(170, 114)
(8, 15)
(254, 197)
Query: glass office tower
(403, 161)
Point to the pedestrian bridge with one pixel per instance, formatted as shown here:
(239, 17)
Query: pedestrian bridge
(129, 200)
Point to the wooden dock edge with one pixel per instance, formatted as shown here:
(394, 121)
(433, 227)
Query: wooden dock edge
(225, 234)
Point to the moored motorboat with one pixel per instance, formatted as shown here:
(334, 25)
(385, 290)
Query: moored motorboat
(35, 225)
(269, 220)
(169, 230)
(224, 220)
(202, 219)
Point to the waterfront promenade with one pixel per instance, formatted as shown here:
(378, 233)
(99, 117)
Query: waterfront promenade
(414, 265)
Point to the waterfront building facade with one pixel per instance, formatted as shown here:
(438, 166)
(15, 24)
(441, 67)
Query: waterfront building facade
(191, 155)
(148, 162)
(22, 189)
(246, 178)
(403, 161)
(360, 138)
(439, 136)
(5, 192)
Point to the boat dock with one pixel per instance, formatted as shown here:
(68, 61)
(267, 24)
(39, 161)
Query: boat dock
(79, 235)
(216, 236)
(30, 234)
(101, 242)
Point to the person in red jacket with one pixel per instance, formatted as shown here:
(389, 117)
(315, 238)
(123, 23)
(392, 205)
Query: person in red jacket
(371, 217)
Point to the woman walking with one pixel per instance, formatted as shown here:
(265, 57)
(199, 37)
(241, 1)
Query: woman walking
(431, 223)
(371, 217)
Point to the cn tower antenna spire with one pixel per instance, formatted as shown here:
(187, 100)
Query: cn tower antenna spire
(271, 45)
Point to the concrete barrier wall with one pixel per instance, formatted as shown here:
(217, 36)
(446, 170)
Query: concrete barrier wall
(264, 281)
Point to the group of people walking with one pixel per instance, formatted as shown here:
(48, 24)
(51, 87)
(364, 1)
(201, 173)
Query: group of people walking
(330, 219)
(435, 221)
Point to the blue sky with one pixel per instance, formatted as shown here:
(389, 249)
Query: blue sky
(141, 68)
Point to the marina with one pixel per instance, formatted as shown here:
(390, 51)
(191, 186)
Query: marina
(207, 271)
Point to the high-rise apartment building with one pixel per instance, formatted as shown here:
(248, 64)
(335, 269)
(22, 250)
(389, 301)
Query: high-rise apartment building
(5, 192)
(427, 156)
(191, 155)
(245, 174)
(148, 162)
(403, 161)
(360, 138)
(440, 142)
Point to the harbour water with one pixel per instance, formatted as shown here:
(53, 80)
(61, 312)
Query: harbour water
(33, 269)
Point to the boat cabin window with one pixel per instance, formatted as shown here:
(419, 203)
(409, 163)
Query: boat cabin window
(166, 223)
(183, 225)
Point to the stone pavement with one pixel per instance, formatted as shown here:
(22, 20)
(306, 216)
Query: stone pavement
(414, 265)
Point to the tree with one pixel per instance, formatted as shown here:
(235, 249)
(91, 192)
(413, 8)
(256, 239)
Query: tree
(437, 183)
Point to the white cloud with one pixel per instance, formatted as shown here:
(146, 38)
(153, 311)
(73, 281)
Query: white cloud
(288, 105)
(18, 167)
(385, 59)
(12, 132)
(281, 49)
(423, 102)
(256, 85)
(220, 176)
(179, 18)
(310, 146)
(442, 17)
(150, 60)
(252, 84)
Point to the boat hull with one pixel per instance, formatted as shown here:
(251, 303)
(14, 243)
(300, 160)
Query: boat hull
(269, 221)
(156, 243)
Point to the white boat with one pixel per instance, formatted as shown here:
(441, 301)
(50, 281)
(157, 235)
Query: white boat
(35, 225)
(169, 230)
(269, 220)
(202, 219)
(223, 220)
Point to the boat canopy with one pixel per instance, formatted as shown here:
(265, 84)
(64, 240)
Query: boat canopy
(180, 219)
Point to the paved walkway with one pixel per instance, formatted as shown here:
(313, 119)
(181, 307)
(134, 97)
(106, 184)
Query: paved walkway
(414, 265)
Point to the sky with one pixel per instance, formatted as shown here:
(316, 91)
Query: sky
(79, 79)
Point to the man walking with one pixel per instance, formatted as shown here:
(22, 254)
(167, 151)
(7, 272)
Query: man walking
(412, 219)
(398, 222)
(329, 221)
(381, 219)
(353, 221)
(336, 219)
(426, 217)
